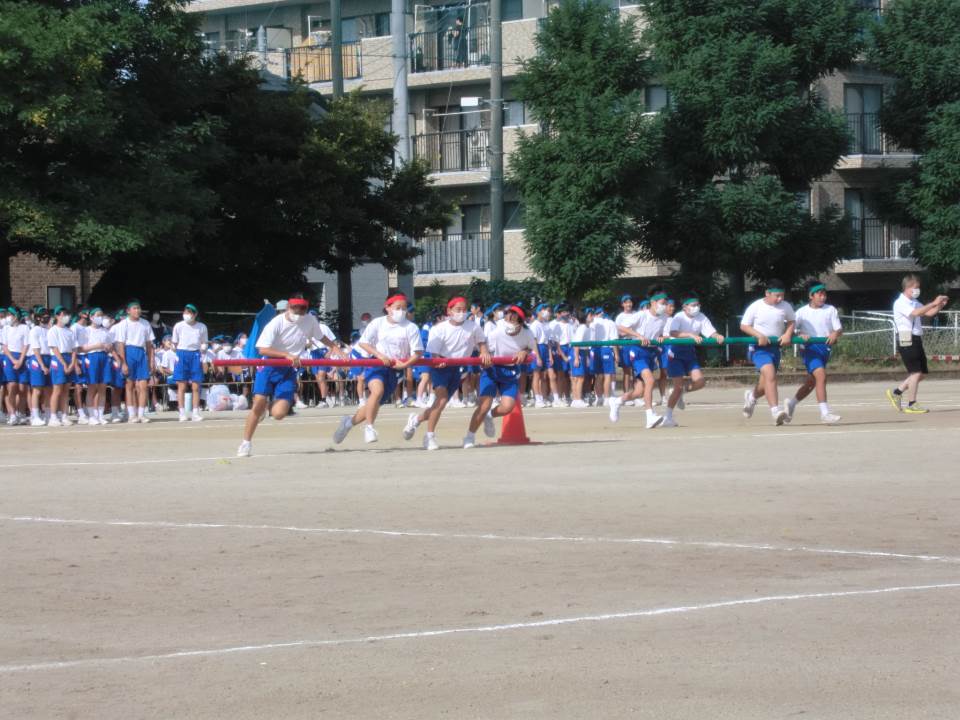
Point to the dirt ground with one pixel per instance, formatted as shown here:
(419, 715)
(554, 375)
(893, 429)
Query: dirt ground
(723, 569)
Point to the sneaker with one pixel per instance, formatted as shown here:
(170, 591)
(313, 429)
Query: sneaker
(430, 443)
(628, 403)
(13, 420)
(791, 407)
(55, 422)
(299, 405)
(578, 404)
(411, 427)
(456, 404)
(654, 420)
(781, 418)
(116, 418)
(829, 419)
(540, 404)
(749, 403)
(370, 434)
(895, 400)
(488, 427)
(915, 410)
(83, 420)
(37, 422)
(244, 449)
(615, 404)
(469, 441)
(102, 421)
(346, 422)
(182, 418)
(196, 417)
(144, 419)
(668, 422)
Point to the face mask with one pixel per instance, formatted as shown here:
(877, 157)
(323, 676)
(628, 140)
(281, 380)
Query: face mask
(512, 328)
(915, 293)
(107, 322)
(545, 316)
(692, 309)
(363, 324)
(498, 315)
(63, 320)
(156, 317)
(660, 309)
(188, 318)
(227, 348)
(458, 317)
(397, 315)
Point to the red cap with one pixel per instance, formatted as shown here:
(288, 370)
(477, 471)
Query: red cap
(395, 298)
(518, 311)
(454, 301)
(297, 301)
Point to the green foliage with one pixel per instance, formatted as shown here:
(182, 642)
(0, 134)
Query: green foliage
(577, 179)
(528, 292)
(435, 298)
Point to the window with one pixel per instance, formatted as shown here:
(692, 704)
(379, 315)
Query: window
(514, 112)
(61, 295)
(656, 98)
(513, 216)
(381, 24)
(862, 106)
(211, 40)
(512, 9)
(802, 199)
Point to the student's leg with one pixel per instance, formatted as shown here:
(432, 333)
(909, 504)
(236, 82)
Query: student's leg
(432, 413)
(648, 381)
(675, 393)
(368, 413)
(504, 408)
(279, 409)
(697, 380)
(257, 409)
(182, 396)
(910, 386)
(768, 385)
(483, 407)
(809, 383)
(142, 394)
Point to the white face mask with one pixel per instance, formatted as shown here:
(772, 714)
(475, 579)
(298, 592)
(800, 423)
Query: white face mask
(187, 317)
(512, 328)
(227, 348)
(915, 293)
(458, 317)
(397, 315)
(241, 342)
(107, 322)
(63, 320)
(498, 315)
(660, 309)
(692, 309)
(545, 316)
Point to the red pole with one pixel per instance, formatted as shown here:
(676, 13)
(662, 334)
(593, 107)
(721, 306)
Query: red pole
(362, 362)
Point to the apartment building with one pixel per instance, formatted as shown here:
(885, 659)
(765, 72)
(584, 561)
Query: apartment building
(448, 82)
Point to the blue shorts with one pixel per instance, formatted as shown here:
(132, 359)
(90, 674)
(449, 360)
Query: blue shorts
(14, 375)
(543, 350)
(97, 365)
(137, 367)
(37, 376)
(645, 358)
(499, 379)
(561, 364)
(420, 370)
(769, 355)
(279, 383)
(604, 361)
(816, 356)
(448, 378)
(584, 367)
(683, 362)
(665, 352)
(80, 374)
(114, 374)
(189, 367)
(627, 353)
(388, 376)
(58, 376)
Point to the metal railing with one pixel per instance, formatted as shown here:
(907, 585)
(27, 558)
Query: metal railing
(314, 64)
(865, 135)
(453, 253)
(450, 49)
(877, 240)
(455, 151)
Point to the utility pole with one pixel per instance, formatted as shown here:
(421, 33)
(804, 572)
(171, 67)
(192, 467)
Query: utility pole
(336, 50)
(496, 140)
(401, 106)
(344, 274)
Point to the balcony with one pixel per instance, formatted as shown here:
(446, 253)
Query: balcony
(870, 148)
(445, 50)
(468, 253)
(881, 247)
(457, 151)
(314, 64)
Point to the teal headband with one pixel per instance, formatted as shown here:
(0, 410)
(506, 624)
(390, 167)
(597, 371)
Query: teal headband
(774, 290)
(133, 303)
(192, 308)
(658, 296)
(690, 300)
(817, 288)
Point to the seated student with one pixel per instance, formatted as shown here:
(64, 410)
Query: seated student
(816, 319)
(768, 317)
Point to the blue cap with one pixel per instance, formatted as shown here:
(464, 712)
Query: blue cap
(624, 298)
(644, 303)
(492, 308)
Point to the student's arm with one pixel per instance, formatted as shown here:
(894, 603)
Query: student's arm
(762, 339)
(485, 357)
(39, 357)
(372, 351)
(332, 346)
(55, 351)
(414, 356)
(629, 332)
(787, 337)
(932, 308)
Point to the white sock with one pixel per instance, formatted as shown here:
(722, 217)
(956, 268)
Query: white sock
(82, 412)
(556, 398)
(824, 409)
(775, 410)
(538, 398)
(669, 413)
(751, 397)
(430, 434)
(141, 411)
(35, 413)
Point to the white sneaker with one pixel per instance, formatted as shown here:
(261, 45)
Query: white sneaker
(196, 417)
(83, 420)
(654, 420)
(749, 403)
(54, 422)
(830, 419)
(244, 449)
(102, 421)
(628, 403)
(430, 443)
(578, 404)
(488, 427)
(36, 422)
(299, 405)
(13, 420)
(370, 434)
(469, 441)
(456, 404)
(116, 418)
(143, 419)
(410, 429)
(182, 418)
(781, 418)
(668, 422)
(346, 422)
(791, 406)
(540, 404)
(615, 404)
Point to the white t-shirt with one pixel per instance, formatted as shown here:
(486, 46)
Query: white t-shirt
(454, 341)
(168, 360)
(562, 332)
(902, 307)
(627, 319)
(187, 336)
(583, 333)
(289, 336)
(17, 338)
(398, 341)
(817, 322)
(770, 320)
(647, 324)
(38, 339)
(327, 332)
(604, 329)
(134, 334)
(80, 332)
(98, 336)
(502, 344)
(62, 338)
(541, 331)
(699, 324)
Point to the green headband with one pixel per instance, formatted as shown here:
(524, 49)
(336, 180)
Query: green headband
(817, 288)
(774, 290)
(133, 303)
(690, 300)
(94, 311)
(658, 296)
(191, 307)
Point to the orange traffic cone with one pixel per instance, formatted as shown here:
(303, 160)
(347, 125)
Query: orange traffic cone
(514, 432)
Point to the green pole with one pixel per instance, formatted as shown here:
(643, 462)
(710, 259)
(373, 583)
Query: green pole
(707, 342)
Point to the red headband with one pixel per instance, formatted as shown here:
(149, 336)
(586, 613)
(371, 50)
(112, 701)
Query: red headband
(454, 301)
(518, 311)
(297, 301)
(395, 298)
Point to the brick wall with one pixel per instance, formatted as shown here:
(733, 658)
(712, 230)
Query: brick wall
(30, 277)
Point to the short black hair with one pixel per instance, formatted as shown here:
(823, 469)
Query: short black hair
(775, 283)
(654, 289)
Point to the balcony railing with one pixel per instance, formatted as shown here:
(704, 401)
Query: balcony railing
(455, 151)
(314, 64)
(448, 50)
(865, 135)
(454, 253)
(877, 240)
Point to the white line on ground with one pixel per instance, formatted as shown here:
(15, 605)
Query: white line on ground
(421, 634)
(586, 539)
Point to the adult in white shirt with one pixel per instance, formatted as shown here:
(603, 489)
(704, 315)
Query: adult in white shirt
(189, 335)
(63, 365)
(395, 342)
(39, 365)
(135, 338)
(544, 376)
(908, 314)
(16, 344)
(456, 337)
(647, 327)
(766, 318)
(283, 338)
(510, 339)
(692, 324)
(817, 319)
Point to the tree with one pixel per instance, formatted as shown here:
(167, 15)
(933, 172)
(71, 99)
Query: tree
(744, 133)
(585, 85)
(919, 44)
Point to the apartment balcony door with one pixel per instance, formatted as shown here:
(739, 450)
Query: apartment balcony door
(862, 103)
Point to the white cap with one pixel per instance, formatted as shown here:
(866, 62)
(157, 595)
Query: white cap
(282, 305)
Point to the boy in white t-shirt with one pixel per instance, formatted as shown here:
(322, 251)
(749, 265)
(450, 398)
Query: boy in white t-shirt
(908, 314)
(189, 337)
(683, 363)
(817, 319)
(766, 318)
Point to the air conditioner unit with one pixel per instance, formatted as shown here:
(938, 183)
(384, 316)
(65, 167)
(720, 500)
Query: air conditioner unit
(901, 249)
